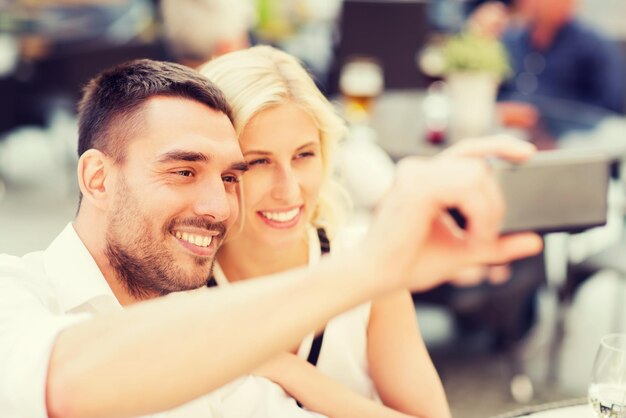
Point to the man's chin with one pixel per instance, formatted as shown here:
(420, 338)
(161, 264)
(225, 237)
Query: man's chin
(188, 285)
(199, 278)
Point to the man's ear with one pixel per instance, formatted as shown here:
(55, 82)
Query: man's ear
(94, 176)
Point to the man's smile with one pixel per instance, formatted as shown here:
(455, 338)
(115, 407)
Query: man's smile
(199, 242)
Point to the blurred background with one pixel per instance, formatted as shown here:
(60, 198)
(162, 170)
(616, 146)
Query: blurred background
(410, 77)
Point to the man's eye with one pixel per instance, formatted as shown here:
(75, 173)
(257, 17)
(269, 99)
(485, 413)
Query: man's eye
(184, 173)
(230, 179)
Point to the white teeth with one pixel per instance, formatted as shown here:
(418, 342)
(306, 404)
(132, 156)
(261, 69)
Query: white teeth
(281, 216)
(197, 240)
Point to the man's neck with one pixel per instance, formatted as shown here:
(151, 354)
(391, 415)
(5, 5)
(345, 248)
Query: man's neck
(92, 234)
(542, 36)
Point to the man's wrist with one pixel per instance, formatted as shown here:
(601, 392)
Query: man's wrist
(366, 274)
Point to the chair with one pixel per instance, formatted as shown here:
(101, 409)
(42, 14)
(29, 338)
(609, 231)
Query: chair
(392, 31)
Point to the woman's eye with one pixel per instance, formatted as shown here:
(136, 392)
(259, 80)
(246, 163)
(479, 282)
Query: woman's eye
(305, 154)
(259, 161)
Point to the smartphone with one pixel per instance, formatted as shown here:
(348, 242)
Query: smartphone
(555, 191)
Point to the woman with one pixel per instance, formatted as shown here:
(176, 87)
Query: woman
(372, 361)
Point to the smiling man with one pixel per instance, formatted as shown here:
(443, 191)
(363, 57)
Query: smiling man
(164, 199)
(83, 329)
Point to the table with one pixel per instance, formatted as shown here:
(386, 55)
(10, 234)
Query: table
(575, 408)
(580, 411)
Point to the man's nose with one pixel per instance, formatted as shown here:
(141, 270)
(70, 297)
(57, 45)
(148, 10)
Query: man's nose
(211, 200)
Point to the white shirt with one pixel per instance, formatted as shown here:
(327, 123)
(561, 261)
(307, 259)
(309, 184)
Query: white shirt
(41, 294)
(343, 357)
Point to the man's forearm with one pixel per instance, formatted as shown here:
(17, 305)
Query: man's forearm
(160, 354)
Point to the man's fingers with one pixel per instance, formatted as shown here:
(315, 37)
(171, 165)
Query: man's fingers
(498, 274)
(512, 247)
(501, 146)
(483, 206)
(468, 276)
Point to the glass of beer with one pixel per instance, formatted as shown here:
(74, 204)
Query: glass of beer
(361, 81)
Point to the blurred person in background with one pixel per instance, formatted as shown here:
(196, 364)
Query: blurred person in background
(555, 56)
(59, 45)
(197, 30)
(53, 24)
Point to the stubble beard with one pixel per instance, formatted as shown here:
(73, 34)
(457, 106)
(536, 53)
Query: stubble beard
(137, 252)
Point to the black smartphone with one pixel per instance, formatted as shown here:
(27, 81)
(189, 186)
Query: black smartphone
(555, 191)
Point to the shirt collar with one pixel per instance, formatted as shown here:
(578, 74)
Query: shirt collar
(76, 276)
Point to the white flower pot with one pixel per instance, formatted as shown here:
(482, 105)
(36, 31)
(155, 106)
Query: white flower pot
(472, 98)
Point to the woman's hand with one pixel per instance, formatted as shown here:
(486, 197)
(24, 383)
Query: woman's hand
(320, 393)
(279, 368)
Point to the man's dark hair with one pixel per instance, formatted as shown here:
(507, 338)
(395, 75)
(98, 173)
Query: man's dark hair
(111, 105)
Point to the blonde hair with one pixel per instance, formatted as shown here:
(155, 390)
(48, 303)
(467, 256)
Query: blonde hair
(261, 77)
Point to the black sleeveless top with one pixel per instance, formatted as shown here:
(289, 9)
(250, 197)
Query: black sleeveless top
(316, 346)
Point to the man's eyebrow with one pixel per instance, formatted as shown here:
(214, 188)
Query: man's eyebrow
(180, 155)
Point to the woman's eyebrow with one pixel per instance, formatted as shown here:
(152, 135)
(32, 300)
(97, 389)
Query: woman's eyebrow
(259, 152)
(308, 144)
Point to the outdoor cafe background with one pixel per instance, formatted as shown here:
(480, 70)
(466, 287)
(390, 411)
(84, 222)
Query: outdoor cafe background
(407, 83)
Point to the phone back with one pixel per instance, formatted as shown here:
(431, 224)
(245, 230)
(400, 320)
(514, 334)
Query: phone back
(556, 191)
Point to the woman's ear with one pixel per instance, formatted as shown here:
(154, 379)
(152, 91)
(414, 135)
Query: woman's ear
(94, 167)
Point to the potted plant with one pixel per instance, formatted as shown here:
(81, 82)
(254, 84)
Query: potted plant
(474, 65)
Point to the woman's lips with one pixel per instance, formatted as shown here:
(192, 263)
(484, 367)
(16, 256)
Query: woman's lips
(281, 219)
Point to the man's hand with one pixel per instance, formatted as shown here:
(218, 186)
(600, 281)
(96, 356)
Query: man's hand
(475, 275)
(518, 114)
(504, 147)
(414, 240)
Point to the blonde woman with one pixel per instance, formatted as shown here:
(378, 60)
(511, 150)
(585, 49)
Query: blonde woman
(369, 362)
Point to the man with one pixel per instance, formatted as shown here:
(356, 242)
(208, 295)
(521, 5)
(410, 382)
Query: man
(555, 56)
(158, 171)
(196, 30)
